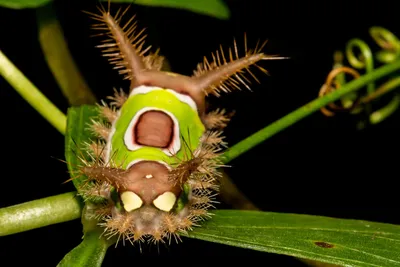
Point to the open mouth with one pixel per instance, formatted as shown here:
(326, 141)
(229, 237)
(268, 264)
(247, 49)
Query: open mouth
(155, 128)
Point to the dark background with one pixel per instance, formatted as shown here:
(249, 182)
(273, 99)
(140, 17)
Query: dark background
(321, 166)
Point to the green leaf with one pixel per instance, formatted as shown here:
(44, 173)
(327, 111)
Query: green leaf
(89, 253)
(92, 250)
(77, 133)
(336, 241)
(214, 8)
(19, 4)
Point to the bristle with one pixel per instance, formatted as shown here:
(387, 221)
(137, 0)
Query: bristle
(113, 176)
(170, 223)
(202, 185)
(137, 236)
(217, 119)
(103, 212)
(100, 129)
(203, 163)
(124, 46)
(214, 139)
(95, 192)
(153, 61)
(186, 223)
(108, 112)
(199, 213)
(222, 74)
(120, 225)
(118, 99)
(157, 236)
(96, 150)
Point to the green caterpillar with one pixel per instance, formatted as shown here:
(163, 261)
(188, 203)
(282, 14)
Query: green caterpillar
(154, 169)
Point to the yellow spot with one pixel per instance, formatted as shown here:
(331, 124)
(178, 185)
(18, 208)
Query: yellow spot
(148, 176)
(131, 201)
(165, 202)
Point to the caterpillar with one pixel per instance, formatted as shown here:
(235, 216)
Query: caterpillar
(155, 159)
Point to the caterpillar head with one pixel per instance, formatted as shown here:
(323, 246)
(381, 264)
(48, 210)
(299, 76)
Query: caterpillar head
(150, 200)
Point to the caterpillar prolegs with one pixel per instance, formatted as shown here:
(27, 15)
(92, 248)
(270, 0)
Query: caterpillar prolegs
(154, 169)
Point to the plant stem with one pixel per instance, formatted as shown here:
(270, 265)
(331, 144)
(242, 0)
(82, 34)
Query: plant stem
(59, 58)
(39, 213)
(31, 94)
(302, 112)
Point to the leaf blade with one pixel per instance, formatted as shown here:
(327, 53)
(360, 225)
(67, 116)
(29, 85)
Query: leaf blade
(76, 134)
(20, 4)
(89, 253)
(213, 8)
(355, 243)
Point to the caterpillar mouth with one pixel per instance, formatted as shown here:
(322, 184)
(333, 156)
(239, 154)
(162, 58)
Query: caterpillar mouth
(155, 128)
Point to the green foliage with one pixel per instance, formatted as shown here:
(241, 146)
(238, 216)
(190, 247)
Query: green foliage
(213, 8)
(89, 253)
(20, 4)
(76, 135)
(337, 241)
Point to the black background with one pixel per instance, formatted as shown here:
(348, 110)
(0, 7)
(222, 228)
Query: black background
(321, 166)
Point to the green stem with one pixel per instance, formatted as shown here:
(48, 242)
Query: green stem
(31, 94)
(59, 58)
(302, 112)
(39, 213)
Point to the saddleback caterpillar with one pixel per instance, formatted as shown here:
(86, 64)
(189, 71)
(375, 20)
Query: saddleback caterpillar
(153, 168)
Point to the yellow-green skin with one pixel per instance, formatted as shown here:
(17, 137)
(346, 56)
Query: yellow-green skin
(191, 128)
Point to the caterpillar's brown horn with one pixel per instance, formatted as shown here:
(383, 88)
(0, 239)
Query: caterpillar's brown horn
(211, 80)
(125, 46)
(228, 73)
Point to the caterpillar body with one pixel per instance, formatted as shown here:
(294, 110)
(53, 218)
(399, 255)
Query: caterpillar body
(154, 169)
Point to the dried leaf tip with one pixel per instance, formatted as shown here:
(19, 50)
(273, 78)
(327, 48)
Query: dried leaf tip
(228, 72)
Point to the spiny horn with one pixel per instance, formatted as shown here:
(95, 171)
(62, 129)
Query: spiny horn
(224, 75)
(124, 47)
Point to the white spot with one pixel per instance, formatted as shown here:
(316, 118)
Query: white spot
(165, 201)
(131, 201)
(148, 176)
(129, 135)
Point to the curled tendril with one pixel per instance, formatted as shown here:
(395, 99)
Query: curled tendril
(384, 112)
(389, 43)
(329, 85)
(364, 60)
